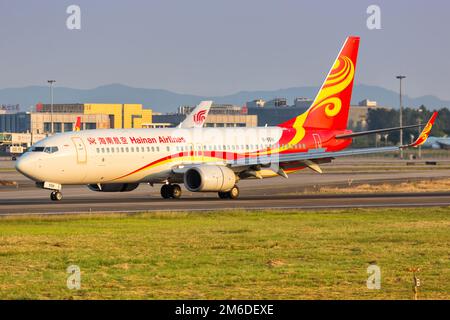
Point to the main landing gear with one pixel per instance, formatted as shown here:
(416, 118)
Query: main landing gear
(56, 196)
(170, 191)
(233, 193)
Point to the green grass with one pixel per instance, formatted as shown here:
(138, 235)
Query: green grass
(227, 255)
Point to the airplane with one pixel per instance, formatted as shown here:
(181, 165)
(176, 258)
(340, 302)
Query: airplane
(207, 159)
(438, 143)
(197, 117)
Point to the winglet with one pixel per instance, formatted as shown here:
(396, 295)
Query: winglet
(425, 132)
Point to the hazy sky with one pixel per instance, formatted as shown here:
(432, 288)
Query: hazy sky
(216, 47)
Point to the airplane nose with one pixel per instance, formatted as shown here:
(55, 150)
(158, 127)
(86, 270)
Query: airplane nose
(25, 166)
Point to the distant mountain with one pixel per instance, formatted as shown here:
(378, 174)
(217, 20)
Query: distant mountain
(166, 101)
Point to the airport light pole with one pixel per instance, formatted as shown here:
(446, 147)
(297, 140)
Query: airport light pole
(401, 114)
(51, 82)
(420, 130)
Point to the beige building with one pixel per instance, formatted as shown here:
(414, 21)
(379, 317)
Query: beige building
(231, 120)
(357, 117)
(120, 116)
(220, 115)
(41, 122)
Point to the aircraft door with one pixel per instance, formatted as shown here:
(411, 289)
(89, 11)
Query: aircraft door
(80, 149)
(197, 152)
(317, 140)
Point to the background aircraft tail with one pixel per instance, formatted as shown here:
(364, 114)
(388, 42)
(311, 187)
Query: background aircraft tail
(78, 124)
(197, 117)
(332, 103)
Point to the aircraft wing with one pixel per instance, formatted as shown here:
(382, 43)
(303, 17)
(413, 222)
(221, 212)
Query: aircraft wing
(197, 117)
(312, 157)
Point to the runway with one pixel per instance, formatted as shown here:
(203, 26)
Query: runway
(276, 193)
(135, 204)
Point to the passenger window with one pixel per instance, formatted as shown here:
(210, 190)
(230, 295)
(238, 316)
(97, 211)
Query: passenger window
(127, 150)
(103, 150)
(98, 150)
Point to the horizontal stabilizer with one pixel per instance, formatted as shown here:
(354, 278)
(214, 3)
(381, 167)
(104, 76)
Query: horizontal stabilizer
(363, 133)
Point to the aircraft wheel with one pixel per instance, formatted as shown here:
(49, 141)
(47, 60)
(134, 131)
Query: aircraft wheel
(56, 196)
(233, 193)
(223, 195)
(175, 191)
(165, 191)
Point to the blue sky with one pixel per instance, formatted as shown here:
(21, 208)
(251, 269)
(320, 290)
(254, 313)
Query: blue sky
(220, 47)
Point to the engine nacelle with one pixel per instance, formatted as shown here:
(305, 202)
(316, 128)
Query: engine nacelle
(113, 187)
(209, 178)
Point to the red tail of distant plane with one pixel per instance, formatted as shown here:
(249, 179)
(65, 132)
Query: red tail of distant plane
(78, 124)
(332, 103)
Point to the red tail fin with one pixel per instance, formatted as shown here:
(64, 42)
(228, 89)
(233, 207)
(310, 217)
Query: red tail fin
(331, 105)
(78, 124)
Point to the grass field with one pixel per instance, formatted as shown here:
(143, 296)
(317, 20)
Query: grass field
(435, 185)
(236, 255)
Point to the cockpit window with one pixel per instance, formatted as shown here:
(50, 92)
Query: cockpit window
(44, 149)
(51, 149)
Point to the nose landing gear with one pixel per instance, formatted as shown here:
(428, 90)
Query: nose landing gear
(56, 196)
(170, 191)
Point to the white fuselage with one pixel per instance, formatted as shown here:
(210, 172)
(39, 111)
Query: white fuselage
(137, 155)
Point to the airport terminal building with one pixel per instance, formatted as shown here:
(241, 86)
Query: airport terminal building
(220, 115)
(63, 117)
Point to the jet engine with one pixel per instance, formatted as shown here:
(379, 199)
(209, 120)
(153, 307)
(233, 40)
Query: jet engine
(113, 187)
(209, 178)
